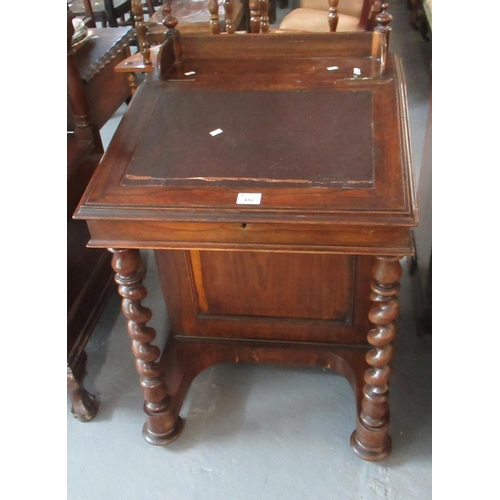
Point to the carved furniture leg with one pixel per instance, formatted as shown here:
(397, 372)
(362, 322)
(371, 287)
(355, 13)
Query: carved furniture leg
(161, 426)
(83, 404)
(371, 440)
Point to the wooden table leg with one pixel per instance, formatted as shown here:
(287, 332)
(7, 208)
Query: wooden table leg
(84, 405)
(161, 425)
(371, 440)
(132, 82)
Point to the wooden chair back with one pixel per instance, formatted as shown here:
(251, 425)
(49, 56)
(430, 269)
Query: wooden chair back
(146, 38)
(112, 13)
(332, 15)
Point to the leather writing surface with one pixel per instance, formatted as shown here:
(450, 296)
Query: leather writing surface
(299, 137)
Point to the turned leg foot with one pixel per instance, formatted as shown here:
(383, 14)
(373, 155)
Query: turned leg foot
(371, 440)
(84, 405)
(162, 438)
(162, 425)
(373, 444)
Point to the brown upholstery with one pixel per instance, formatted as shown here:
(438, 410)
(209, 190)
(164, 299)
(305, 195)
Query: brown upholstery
(312, 15)
(193, 16)
(316, 21)
(346, 7)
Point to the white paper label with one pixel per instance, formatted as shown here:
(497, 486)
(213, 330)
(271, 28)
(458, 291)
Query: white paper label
(248, 198)
(216, 132)
(189, 73)
(332, 68)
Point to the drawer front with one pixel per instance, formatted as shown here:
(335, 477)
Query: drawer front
(293, 237)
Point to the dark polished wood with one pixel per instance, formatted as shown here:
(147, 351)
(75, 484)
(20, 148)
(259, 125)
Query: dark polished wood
(371, 439)
(305, 275)
(333, 16)
(105, 89)
(88, 273)
(108, 12)
(152, 33)
(161, 428)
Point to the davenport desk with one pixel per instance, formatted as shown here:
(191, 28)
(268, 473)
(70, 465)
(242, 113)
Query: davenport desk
(271, 174)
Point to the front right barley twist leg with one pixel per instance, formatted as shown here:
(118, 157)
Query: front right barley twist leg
(371, 440)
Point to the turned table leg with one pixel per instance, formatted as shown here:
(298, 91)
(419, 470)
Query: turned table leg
(132, 82)
(84, 405)
(371, 440)
(161, 426)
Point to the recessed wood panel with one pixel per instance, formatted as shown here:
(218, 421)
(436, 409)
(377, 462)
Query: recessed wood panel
(271, 285)
(332, 308)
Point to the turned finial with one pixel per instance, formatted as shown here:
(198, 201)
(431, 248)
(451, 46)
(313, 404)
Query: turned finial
(141, 30)
(383, 19)
(333, 16)
(254, 16)
(228, 9)
(169, 21)
(213, 7)
(381, 32)
(264, 15)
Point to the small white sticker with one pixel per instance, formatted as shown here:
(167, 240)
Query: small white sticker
(356, 71)
(189, 73)
(248, 198)
(332, 68)
(216, 132)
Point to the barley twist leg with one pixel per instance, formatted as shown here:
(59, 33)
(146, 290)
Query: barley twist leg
(371, 440)
(161, 425)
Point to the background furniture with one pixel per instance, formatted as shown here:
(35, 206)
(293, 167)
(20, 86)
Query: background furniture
(278, 209)
(194, 16)
(106, 90)
(112, 13)
(106, 12)
(313, 15)
(421, 264)
(421, 16)
(202, 16)
(152, 33)
(88, 272)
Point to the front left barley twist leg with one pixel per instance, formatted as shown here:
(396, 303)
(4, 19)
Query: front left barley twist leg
(161, 425)
(371, 440)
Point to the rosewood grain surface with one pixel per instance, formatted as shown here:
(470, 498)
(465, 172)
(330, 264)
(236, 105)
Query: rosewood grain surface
(267, 301)
(309, 276)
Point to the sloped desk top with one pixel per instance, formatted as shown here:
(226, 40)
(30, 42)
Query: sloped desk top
(322, 144)
(272, 177)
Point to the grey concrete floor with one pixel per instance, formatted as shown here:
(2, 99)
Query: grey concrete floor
(259, 432)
